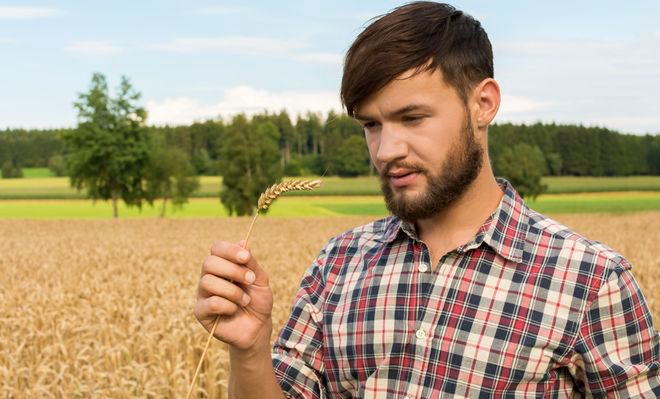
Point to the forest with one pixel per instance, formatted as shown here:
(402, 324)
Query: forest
(311, 144)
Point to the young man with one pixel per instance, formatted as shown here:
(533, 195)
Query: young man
(464, 291)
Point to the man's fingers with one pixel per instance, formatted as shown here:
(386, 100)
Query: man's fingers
(213, 306)
(242, 256)
(260, 276)
(211, 285)
(227, 270)
(227, 250)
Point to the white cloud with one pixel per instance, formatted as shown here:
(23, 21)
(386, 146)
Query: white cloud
(93, 47)
(246, 99)
(28, 12)
(611, 83)
(521, 109)
(322, 58)
(220, 10)
(512, 105)
(551, 48)
(615, 54)
(233, 44)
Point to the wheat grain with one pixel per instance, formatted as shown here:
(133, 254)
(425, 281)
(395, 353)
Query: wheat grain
(274, 191)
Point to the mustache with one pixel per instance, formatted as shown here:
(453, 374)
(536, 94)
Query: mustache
(402, 165)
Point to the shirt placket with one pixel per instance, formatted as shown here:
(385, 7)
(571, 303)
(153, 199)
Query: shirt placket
(430, 302)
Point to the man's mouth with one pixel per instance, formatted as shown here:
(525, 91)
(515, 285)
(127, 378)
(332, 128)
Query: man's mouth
(402, 178)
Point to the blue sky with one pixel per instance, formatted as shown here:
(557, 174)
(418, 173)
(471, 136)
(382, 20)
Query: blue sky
(590, 62)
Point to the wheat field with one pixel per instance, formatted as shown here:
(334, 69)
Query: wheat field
(103, 309)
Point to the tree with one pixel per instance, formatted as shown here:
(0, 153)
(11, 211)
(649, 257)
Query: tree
(10, 170)
(352, 158)
(204, 142)
(653, 156)
(287, 135)
(524, 166)
(308, 132)
(170, 175)
(107, 153)
(57, 165)
(554, 164)
(250, 158)
(202, 162)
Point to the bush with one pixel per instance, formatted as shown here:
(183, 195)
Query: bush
(57, 165)
(293, 168)
(316, 165)
(11, 171)
(353, 157)
(523, 165)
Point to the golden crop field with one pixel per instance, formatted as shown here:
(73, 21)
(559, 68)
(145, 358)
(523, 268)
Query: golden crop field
(103, 309)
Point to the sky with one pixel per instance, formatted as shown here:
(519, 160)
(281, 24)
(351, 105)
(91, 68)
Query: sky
(595, 63)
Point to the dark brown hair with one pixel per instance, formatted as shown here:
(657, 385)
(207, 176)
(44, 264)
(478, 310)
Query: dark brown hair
(423, 35)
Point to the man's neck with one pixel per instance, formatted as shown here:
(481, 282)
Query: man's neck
(459, 222)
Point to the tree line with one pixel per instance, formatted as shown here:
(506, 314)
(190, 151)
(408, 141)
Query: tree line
(115, 155)
(311, 144)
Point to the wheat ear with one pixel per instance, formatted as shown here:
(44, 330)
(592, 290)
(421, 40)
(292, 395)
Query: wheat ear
(265, 200)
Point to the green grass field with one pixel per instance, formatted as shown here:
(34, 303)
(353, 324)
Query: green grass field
(31, 173)
(39, 186)
(315, 206)
(575, 184)
(332, 185)
(197, 207)
(41, 197)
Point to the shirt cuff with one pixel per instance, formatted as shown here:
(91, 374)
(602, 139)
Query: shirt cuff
(296, 378)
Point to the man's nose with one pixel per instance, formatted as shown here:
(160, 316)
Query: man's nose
(392, 145)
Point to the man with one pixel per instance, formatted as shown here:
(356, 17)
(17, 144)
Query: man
(464, 291)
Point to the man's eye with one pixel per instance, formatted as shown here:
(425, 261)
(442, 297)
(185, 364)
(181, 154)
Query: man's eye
(412, 118)
(369, 125)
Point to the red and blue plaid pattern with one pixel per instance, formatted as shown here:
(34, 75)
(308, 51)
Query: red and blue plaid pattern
(526, 309)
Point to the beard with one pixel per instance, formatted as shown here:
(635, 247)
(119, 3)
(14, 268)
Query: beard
(458, 171)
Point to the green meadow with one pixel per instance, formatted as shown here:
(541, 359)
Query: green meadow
(588, 184)
(314, 206)
(38, 185)
(41, 196)
(196, 207)
(31, 173)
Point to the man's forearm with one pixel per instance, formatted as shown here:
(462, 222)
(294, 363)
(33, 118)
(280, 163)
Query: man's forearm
(252, 375)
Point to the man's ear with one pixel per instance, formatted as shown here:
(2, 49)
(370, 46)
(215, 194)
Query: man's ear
(486, 97)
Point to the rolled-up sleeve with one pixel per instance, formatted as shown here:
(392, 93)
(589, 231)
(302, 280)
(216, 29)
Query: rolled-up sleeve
(298, 350)
(618, 350)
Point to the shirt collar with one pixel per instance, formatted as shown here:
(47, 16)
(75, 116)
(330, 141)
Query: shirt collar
(504, 231)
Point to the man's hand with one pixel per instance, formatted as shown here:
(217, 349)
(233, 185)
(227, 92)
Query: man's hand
(234, 286)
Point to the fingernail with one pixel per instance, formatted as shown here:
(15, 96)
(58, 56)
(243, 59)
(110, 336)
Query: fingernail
(250, 277)
(246, 299)
(243, 255)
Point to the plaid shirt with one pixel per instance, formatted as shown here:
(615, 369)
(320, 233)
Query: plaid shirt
(527, 308)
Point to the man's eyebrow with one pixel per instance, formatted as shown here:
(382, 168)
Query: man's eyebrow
(396, 113)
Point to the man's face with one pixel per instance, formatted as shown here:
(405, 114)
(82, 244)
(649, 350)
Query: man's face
(422, 142)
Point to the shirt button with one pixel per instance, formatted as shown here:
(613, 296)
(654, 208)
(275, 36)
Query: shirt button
(421, 334)
(423, 267)
(409, 397)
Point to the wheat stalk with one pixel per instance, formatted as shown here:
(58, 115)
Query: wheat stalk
(265, 200)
